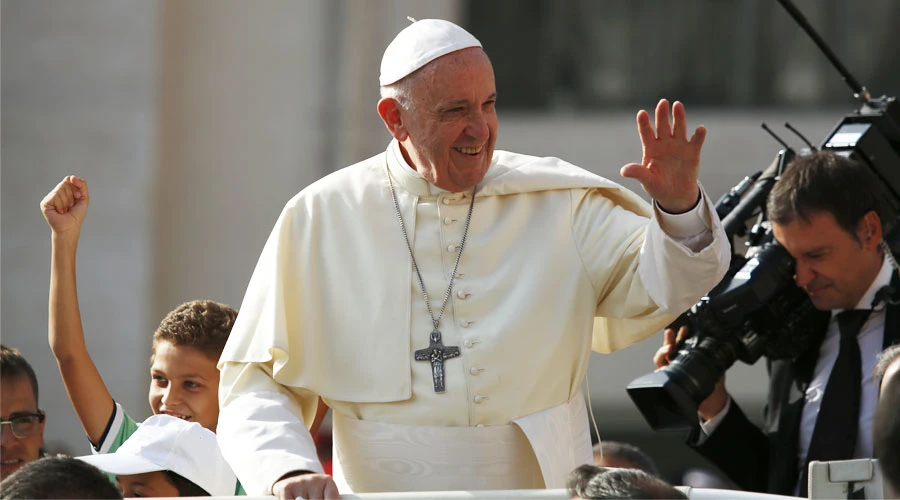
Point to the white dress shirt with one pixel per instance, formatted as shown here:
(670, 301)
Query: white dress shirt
(871, 341)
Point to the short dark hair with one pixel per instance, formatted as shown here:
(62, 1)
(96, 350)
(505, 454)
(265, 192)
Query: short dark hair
(590, 482)
(58, 477)
(201, 324)
(14, 365)
(627, 452)
(829, 182)
(886, 433)
(185, 487)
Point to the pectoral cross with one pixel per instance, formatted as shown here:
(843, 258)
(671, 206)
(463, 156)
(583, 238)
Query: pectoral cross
(437, 353)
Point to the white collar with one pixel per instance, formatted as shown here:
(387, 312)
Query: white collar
(882, 279)
(407, 178)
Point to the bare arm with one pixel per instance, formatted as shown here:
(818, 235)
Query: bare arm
(65, 208)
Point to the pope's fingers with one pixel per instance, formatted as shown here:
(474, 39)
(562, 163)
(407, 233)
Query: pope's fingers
(698, 137)
(679, 121)
(331, 491)
(306, 486)
(645, 128)
(663, 127)
(634, 171)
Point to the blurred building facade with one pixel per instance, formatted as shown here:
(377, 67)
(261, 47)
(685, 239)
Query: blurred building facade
(194, 122)
(593, 55)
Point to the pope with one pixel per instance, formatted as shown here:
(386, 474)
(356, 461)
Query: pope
(443, 297)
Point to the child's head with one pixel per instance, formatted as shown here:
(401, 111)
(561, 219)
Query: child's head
(160, 483)
(186, 346)
(58, 477)
(168, 457)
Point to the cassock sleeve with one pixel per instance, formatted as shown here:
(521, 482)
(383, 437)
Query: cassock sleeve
(261, 428)
(260, 431)
(677, 276)
(643, 276)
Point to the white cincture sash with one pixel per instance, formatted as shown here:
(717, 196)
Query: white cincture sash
(536, 451)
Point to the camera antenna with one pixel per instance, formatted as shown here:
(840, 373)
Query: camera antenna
(785, 155)
(802, 138)
(859, 91)
(778, 139)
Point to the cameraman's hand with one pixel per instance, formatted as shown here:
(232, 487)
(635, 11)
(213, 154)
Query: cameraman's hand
(716, 401)
(664, 354)
(308, 486)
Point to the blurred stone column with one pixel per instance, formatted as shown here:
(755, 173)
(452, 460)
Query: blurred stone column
(241, 102)
(79, 97)
(259, 99)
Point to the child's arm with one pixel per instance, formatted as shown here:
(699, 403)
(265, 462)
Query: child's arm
(65, 208)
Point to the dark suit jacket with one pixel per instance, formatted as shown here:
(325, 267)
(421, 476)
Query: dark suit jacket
(765, 460)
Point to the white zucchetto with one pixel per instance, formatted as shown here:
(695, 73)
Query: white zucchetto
(420, 43)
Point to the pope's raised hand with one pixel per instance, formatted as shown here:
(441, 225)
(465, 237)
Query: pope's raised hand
(66, 205)
(669, 168)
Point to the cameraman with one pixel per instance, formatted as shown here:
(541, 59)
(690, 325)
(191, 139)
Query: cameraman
(827, 212)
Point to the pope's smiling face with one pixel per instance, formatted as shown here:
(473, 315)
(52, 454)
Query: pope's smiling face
(448, 130)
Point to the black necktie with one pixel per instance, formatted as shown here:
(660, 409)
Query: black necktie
(834, 437)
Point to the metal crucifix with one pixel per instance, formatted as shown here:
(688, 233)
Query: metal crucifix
(436, 353)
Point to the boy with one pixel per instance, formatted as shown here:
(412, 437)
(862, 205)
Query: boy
(58, 477)
(186, 345)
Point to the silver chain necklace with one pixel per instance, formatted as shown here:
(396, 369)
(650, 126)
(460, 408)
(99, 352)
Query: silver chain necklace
(436, 353)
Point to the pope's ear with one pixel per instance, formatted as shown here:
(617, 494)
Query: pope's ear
(390, 112)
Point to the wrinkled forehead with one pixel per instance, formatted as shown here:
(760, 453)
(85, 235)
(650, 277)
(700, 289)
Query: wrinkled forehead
(469, 59)
(461, 73)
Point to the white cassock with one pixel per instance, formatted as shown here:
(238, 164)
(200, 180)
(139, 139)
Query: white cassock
(557, 261)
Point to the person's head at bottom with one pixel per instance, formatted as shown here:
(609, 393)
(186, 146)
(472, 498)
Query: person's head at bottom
(591, 482)
(58, 477)
(624, 456)
(168, 457)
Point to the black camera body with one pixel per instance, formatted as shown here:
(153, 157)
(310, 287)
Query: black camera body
(757, 309)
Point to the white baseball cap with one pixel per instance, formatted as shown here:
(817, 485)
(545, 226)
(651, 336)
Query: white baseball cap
(420, 43)
(164, 442)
